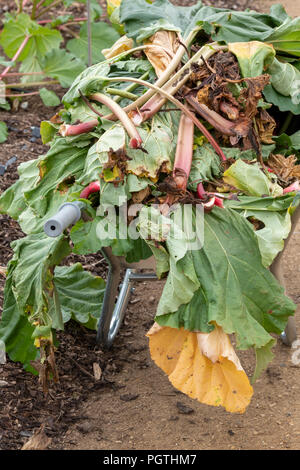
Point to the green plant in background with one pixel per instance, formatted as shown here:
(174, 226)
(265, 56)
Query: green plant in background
(32, 40)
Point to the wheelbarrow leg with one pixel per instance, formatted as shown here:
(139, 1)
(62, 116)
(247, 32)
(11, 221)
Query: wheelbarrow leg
(110, 294)
(289, 335)
(113, 312)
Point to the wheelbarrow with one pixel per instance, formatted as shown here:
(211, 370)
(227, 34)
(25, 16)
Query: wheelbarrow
(122, 275)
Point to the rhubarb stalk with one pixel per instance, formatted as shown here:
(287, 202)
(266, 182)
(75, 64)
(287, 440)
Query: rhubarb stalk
(77, 129)
(177, 103)
(93, 187)
(184, 152)
(136, 140)
(16, 56)
(175, 83)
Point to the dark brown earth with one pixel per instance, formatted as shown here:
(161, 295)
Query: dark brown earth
(133, 406)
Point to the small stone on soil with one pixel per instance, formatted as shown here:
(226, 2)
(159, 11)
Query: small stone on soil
(129, 397)
(184, 409)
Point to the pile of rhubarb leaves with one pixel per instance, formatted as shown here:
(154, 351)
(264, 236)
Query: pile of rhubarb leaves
(195, 107)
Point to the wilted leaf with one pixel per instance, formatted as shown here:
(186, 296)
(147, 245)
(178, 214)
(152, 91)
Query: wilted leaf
(254, 57)
(39, 440)
(161, 56)
(250, 179)
(202, 365)
(122, 44)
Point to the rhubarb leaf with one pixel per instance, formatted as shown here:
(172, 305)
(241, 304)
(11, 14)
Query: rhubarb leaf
(80, 294)
(182, 280)
(205, 166)
(271, 237)
(103, 37)
(251, 180)
(203, 366)
(15, 329)
(284, 103)
(231, 275)
(253, 56)
(63, 162)
(42, 39)
(286, 38)
(62, 66)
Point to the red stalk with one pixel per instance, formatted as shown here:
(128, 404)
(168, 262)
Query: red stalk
(16, 56)
(136, 140)
(184, 152)
(202, 194)
(93, 187)
(293, 187)
(77, 129)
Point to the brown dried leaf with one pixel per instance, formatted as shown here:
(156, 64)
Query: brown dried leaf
(285, 167)
(97, 371)
(251, 95)
(140, 196)
(39, 440)
(266, 127)
(161, 56)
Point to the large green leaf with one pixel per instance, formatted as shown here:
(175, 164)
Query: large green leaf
(271, 237)
(42, 39)
(63, 162)
(236, 291)
(103, 37)
(253, 56)
(143, 20)
(80, 294)
(62, 66)
(15, 329)
(12, 201)
(182, 280)
(32, 275)
(251, 180)
(286, 38)
(95, 78)
(205, 165)
(284, 103)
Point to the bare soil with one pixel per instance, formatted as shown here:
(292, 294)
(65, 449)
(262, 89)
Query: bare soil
(133, 405)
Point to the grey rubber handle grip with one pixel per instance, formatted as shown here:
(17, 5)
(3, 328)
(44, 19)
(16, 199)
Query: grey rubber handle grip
(68, 214)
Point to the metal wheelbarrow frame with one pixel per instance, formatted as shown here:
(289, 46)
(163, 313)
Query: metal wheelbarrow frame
(113, 312)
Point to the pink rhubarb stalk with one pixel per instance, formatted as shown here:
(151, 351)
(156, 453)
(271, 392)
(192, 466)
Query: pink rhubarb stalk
(293, 187)
(214, 201)
(77, 129)
(93, 187)
(16, 56)
(178, 104)
(184, 152)
(136, 140)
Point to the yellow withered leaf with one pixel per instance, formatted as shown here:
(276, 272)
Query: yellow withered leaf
(202, 365)
(121, 45)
